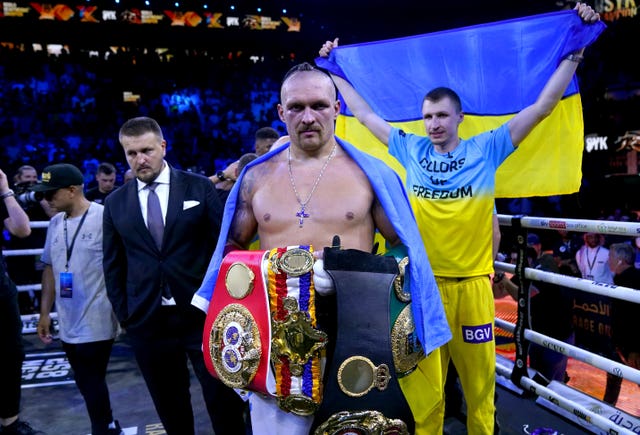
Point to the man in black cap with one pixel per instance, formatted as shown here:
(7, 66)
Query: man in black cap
(74, 279)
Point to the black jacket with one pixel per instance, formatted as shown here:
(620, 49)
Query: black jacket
(135, 270)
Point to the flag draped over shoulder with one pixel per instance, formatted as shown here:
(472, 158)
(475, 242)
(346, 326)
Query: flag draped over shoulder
(497, 69)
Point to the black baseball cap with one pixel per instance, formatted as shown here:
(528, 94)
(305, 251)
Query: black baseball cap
(58, 176)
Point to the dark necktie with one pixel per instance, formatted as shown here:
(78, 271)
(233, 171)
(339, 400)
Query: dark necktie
(154, 215)
(156, 226)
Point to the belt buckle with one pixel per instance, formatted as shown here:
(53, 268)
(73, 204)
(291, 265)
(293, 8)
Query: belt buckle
(294, 262)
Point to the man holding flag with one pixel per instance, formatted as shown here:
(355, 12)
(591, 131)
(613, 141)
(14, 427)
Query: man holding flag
(451, 185)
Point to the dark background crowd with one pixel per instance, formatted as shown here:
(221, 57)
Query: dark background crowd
(68, 107)
(211, 89)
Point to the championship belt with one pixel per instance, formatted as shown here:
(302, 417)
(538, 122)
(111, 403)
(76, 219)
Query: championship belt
(362, 394)
(237, 332)
(296, 343)
(405, 346)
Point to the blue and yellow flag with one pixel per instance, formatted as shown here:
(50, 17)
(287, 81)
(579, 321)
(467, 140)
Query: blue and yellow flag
(497, 69)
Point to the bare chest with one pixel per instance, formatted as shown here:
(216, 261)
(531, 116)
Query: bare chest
(313, 211)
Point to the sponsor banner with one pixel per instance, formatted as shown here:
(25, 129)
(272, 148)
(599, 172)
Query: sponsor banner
(46, 369)
(591, 318)
(30, 323)
(620, 418)
(184, 18)
(616, 10)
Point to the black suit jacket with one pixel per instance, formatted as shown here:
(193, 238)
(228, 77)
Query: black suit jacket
(135, 269)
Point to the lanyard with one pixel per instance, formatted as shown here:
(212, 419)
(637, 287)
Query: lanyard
(73, 241)
(591, 263)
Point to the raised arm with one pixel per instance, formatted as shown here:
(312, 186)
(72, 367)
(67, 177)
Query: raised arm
(523, 122)
(358, 106)
(17, 222)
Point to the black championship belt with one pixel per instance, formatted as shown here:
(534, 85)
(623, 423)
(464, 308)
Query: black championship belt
(362, 394)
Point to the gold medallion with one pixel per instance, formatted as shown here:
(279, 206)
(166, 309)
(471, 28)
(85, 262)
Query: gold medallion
(295, 338)
(406, 348)
(298, 404)
(361, 423)
(234, 343)
(294, 262)
(398, 282)
(357, 375)
(239, 280)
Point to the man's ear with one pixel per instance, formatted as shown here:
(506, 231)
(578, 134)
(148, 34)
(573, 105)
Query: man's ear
(281, 112)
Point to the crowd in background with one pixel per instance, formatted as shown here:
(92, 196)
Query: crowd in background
(68, 107)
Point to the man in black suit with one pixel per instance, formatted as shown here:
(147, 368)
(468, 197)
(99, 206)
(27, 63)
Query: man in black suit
(155, 256)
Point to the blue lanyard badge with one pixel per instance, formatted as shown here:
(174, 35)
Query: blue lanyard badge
(66, 284)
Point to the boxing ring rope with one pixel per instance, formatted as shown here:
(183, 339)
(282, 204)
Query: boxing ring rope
(550, 395)
(30, 321)
(604, 289)
(575, 352)
(520, 375)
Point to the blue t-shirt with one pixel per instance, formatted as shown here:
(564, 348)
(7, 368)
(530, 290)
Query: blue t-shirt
(453, 197)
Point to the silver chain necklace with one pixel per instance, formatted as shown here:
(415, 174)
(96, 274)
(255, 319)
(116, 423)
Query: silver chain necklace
(302, 215)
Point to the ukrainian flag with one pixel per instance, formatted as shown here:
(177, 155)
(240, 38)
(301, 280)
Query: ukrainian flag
(497, 69)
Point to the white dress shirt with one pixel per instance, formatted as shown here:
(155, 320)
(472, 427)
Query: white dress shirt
(162, 190)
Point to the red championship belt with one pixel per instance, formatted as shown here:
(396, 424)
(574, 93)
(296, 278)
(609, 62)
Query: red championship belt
(237, 331)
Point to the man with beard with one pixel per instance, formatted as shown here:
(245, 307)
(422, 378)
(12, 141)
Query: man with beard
(159, 232)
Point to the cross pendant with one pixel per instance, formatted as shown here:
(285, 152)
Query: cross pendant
(302, 215)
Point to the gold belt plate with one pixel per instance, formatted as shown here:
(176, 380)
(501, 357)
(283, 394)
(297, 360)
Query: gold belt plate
(407, 351)
(357, 375)
(295, 338)
(298, 404)
(234, 343)
(294, 262)
(239, 280)
(361, 423)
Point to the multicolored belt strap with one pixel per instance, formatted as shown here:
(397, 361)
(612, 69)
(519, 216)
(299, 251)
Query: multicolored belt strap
(296, 343)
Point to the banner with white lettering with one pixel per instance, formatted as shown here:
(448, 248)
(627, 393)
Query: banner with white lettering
(46, 369)
(620, 418)
(591, 314)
